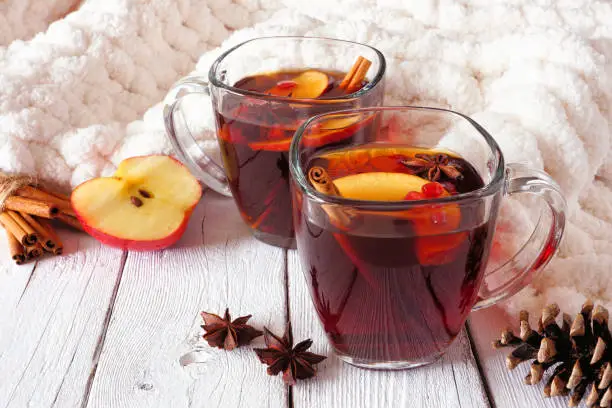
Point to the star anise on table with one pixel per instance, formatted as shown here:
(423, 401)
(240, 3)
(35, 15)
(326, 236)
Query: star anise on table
(224, 333)
(294, 362)
(433, 166)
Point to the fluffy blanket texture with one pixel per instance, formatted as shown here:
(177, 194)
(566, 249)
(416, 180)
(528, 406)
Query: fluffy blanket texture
(81, 84)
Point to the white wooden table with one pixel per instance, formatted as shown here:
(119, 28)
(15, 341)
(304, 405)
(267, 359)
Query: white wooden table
(99, 327)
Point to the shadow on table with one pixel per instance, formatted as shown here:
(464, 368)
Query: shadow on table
(214, 221)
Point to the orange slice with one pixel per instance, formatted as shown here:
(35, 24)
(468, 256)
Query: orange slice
(331, 131)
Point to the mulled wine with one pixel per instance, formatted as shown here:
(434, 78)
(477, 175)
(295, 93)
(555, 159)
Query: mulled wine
(255, 135)
(393, 284)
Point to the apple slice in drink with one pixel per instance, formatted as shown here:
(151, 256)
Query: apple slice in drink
(310, 85)
(434, 225)
(331, 131)
(379, 186)
(307, 85)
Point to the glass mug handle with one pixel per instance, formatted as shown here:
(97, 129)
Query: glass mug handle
(523, 266)
(204, 168)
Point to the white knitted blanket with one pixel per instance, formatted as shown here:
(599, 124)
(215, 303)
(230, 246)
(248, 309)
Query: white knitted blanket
(80, 86)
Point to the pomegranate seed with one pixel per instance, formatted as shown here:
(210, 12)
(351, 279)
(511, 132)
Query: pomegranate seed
(432, 190)
(414, 195)
(286, 84)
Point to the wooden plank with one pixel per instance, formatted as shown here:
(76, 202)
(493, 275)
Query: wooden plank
(452, 382)
(506, 387)
(52, 321)
(14, 280)
(156, 319)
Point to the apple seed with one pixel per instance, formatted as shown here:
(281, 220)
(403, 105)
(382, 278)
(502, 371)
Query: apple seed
(144, 193)
(136, 201)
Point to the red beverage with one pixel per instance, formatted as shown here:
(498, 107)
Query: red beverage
(394, 285)
(255, 136)
(261, 92)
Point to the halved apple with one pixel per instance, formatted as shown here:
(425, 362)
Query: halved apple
(145, 205)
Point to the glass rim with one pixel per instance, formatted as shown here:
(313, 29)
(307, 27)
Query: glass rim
(214, 80)
(299, 176)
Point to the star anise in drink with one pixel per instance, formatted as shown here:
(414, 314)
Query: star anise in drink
(224, 333)
(433, 166)
(294, 362)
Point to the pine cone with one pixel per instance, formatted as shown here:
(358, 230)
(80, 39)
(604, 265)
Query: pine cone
(576, 356)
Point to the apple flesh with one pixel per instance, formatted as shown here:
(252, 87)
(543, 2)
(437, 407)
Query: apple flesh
(310, 85)
(144, 206)
(378, 186)
(282, 88)
(434, 225)
(307, 85)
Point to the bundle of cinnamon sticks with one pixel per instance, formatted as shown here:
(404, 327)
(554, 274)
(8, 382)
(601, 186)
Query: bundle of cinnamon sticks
(26, 219)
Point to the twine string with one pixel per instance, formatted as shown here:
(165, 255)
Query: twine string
(9, 184)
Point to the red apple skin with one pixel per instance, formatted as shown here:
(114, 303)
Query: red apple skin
(132, 245)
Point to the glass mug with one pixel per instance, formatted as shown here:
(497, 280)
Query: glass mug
(391, 284)
(254, 129)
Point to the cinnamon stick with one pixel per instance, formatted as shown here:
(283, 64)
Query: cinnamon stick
(48, 241)
(58, 247)
(40, 195)
(58, 195)
(31, 237)
(34, 251)
(322, 182)
(32, 207)
(16, 249)
(354, 78)
(71, 221)
(11, 226)
(349, 75)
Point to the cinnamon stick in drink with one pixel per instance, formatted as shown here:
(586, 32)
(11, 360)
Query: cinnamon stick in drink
(16, 249)
(322, 182)
(11, 226)
(349, 75)
(354, 78)
(31, 237)
(358, 78)
(32, 207)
